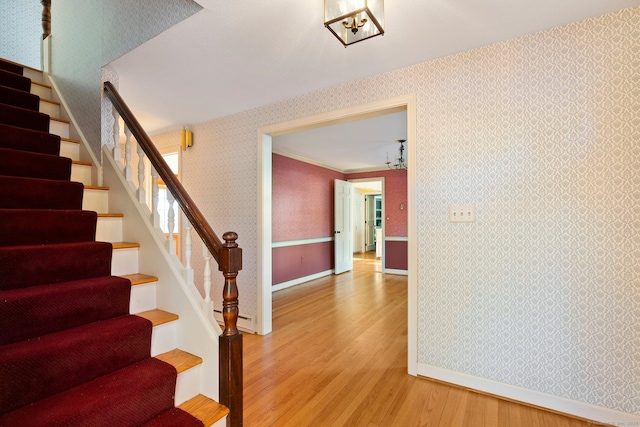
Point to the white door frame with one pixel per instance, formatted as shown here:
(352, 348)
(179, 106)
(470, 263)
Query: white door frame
(264, 285)
(381, 180)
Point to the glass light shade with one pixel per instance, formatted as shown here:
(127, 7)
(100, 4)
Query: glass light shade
(352, 21)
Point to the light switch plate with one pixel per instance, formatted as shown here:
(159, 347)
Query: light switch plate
(462, 213)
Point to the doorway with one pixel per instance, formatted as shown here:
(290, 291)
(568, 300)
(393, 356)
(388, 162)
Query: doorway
(264, 289)
(368, 224)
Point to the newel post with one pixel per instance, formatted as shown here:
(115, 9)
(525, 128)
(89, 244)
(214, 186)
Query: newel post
(46, 18)
(231, 389)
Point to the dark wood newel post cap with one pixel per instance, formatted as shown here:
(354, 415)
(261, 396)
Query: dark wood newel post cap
(231, 255)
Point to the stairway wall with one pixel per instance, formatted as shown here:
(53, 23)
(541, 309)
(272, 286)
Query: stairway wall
(87, 34)
(21, 31)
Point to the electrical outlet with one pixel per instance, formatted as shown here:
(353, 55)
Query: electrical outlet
(462, 213)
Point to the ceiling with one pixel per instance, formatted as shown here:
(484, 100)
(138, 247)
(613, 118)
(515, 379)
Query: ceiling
(236, 55)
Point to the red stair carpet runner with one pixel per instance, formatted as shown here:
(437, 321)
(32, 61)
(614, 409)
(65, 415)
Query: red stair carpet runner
(70, 352)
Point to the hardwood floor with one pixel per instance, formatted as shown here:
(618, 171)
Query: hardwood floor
(337, 356)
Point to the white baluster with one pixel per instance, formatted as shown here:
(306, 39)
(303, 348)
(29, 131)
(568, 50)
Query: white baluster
(171, 243)
(142, 195)
(207, 304)
(128, 171)
(116, 138)
(207, 273)
(155, 195)
(188, 270)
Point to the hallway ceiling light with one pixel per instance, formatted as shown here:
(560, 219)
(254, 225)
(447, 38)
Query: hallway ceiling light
(352, 21)
(401, 162)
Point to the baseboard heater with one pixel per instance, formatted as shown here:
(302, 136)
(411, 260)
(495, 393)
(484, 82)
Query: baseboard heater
(246, 322)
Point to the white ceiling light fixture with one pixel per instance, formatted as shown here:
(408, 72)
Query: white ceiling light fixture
(401, 162)
(352, 21)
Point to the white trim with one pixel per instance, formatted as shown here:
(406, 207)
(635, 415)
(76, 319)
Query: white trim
(306, 160)
(408, 102)
(412, 246)
(532, 397)
(288, 243)
(395, 271)
(396, 239)
(264, 304)
(290, 283)
(322, 165)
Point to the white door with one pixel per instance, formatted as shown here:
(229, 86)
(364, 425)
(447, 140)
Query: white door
(343, 231)
(370, 223)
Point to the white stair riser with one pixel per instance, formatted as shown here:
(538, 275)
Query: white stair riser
(35, 76)
(163, 338)
(187, 385)
(124, 261)
(41, 91)
(222, 422)
(81, 173)
(49, 108)
(143, 298)
(70, 150)
(109, 229)
(59, 128)
(96, 200)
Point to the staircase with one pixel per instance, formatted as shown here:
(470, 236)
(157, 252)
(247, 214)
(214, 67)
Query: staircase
(79, 321)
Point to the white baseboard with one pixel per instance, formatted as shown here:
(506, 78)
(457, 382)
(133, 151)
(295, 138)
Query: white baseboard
(394, 271)
(284, 285)
(246, 322)
(560, 404)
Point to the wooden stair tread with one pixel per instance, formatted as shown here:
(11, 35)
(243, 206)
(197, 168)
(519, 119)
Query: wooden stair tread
(125, 245)
(59, 120)
(94, 187)
(158, 317)
(206, 410)
(110, 215)
(72, 141)
(139, 278)
(80, 163)
(40, 84)
(49, 101)
(180, 359)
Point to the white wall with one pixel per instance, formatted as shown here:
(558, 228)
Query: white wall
(88, 34)
(541, 135)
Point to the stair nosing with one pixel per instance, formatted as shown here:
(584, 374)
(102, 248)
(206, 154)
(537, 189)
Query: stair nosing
(95, 187)
(56, 119)
(81, 163)
(139, 278)
(158, 317)
(180, 359)
(205, 409)
(125, 245)
(41, 84)
(110, 215)
(49, 101)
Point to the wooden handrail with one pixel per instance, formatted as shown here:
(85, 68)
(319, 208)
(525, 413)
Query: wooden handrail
(227, 255)
(195, 217)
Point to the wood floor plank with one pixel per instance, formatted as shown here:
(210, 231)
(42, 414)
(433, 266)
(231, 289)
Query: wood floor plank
(337, 356)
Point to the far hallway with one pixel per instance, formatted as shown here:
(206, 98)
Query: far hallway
(338, 357)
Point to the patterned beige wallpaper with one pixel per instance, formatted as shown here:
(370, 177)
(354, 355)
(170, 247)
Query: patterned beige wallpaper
(21, 26)
(542, 135)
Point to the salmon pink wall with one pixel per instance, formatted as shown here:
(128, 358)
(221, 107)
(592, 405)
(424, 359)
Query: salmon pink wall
(302, 200)
(395, 194)
(298, 261)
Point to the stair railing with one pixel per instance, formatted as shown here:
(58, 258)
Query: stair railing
(228, 255)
